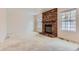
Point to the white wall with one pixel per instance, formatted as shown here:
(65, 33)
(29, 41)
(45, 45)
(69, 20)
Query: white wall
(19, 21)
(3, 26)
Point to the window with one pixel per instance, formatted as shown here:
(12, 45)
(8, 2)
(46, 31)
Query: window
(68, 20)
(39, 22)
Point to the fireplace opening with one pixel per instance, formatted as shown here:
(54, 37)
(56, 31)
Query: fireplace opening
(48, 28)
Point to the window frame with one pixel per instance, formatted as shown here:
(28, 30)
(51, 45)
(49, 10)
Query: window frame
(66, 27)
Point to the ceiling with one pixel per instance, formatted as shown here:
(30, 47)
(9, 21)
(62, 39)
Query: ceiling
(35, 11)
(28, 11)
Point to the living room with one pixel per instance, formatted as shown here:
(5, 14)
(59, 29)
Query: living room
(42, 29)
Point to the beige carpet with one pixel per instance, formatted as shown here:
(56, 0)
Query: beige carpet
(36, 42)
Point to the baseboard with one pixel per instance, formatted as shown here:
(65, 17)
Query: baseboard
(68, 40)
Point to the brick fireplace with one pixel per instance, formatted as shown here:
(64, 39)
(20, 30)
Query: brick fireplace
(49, 23)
